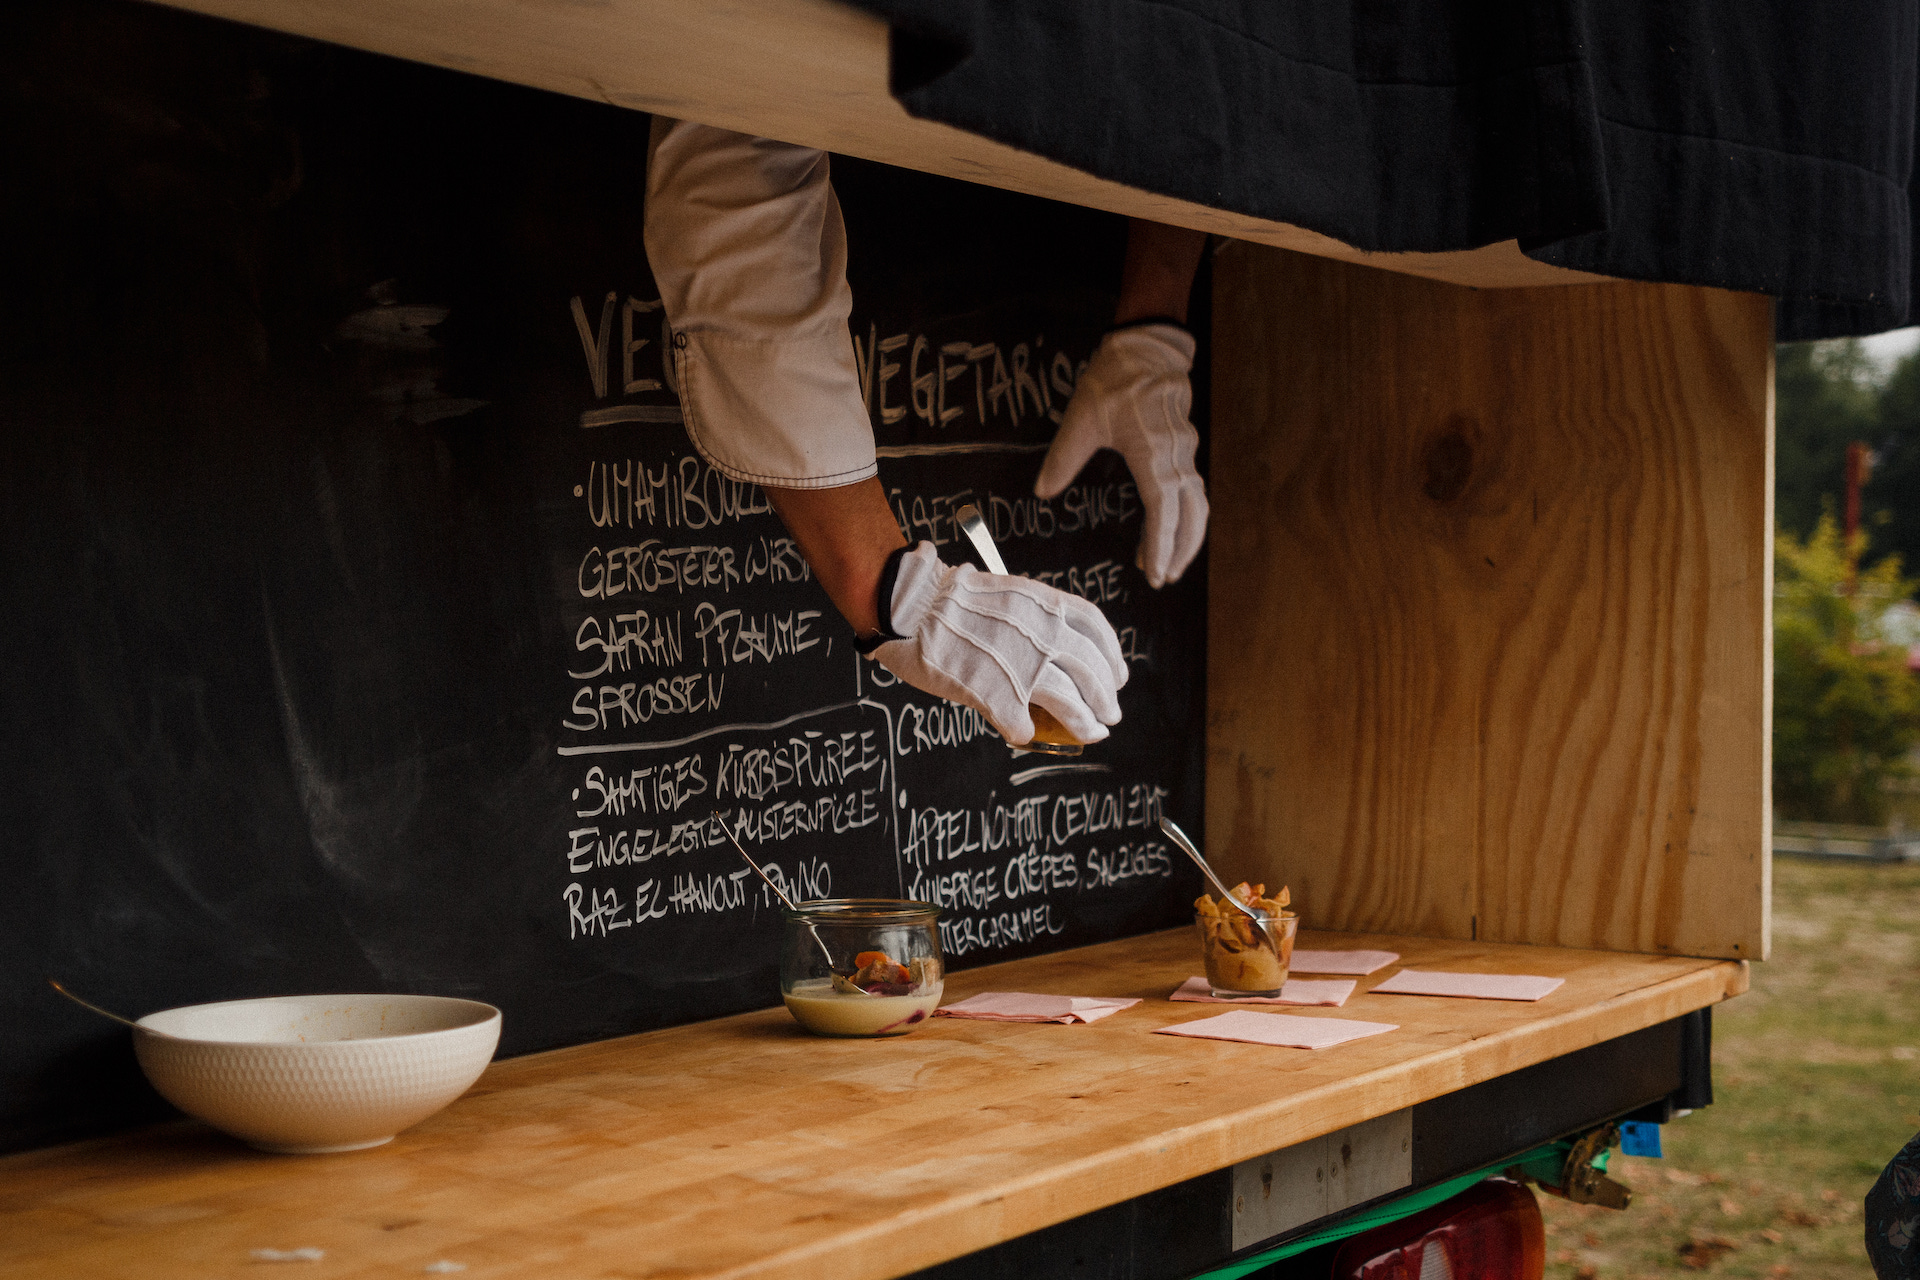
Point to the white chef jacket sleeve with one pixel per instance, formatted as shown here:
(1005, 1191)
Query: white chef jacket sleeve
(749, 252)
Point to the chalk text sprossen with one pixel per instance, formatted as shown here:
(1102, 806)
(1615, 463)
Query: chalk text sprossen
(622, 706)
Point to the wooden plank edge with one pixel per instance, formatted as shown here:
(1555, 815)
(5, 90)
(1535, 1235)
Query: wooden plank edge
(856, 116)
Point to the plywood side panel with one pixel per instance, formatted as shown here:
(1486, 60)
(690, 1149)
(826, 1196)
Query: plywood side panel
(806, 71)
(1490, 642)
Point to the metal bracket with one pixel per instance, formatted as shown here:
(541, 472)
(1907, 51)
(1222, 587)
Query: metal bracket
(1584, 1184)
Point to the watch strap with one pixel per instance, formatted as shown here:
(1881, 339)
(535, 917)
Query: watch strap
(883, 603)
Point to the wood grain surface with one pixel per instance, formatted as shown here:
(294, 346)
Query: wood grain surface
(1490, 649)
(745, 1148)
(806, 71)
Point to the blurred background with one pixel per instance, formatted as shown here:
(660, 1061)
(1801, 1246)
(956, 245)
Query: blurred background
(1846, 625)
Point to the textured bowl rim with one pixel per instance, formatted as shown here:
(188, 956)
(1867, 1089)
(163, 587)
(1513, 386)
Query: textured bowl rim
(491, 1015)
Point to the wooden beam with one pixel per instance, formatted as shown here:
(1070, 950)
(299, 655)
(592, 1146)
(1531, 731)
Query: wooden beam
(806, 71)
(1490, 632)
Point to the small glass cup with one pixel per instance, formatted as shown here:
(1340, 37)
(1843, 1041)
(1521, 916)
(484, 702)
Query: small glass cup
(861, 966)
(1050, 737)
(1239, 964)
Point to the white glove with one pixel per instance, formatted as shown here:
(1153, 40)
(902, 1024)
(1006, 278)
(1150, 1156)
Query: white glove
(997, 643)
(1134, 398)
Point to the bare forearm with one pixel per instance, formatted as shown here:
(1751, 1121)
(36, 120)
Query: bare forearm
(846, 534)
(1157, 275)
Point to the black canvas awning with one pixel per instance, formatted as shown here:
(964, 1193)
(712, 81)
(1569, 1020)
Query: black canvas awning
(1761, 147)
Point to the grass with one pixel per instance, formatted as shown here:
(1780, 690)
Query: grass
(1816, 1082)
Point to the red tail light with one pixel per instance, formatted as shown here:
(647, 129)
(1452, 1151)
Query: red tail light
(1491, 1231)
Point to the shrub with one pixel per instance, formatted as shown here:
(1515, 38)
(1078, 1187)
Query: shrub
(1845, 708)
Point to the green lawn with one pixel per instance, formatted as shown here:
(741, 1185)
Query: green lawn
(1816, 1082)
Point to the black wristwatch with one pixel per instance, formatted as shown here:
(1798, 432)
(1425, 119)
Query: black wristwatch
(883, 604)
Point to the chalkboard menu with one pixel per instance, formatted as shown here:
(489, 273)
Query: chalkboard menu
(371, 623)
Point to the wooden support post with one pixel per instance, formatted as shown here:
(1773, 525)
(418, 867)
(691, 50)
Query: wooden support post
(1490, 650)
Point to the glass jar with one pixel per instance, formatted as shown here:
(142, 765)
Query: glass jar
(1050, 737)
(1238, 963)
(861, 966)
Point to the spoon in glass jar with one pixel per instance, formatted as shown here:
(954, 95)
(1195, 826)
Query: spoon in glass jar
(840, 984)
(1179, 837)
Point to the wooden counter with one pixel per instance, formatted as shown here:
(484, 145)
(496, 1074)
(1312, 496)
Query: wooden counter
(743, 1147)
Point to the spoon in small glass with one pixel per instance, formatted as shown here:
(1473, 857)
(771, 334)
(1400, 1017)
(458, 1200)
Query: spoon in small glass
(1179, 837)
(840, 984)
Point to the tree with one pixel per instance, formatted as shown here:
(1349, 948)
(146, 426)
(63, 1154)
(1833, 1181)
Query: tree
(1824, 398)
(1845, 708)
(1893, 493)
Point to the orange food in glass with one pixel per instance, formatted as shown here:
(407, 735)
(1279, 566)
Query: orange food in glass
(1050, 737)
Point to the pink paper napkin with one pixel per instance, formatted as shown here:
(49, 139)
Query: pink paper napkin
(1359, 963)
(1278, 1029)
(1293, 991)
(1025, 1006)
(1477, 986)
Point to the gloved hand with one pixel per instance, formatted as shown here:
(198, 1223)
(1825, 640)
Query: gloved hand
(1134, 398)
(997, 643)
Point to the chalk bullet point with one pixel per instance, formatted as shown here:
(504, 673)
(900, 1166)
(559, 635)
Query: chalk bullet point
(579, 490)
(576, 793)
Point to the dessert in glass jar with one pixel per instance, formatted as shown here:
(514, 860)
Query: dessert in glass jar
(861, 966)
(1244, 957)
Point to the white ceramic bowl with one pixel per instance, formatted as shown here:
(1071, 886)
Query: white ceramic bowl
(317, 1073)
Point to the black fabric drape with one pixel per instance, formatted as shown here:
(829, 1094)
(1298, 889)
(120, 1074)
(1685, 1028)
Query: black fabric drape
(1762, 147)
